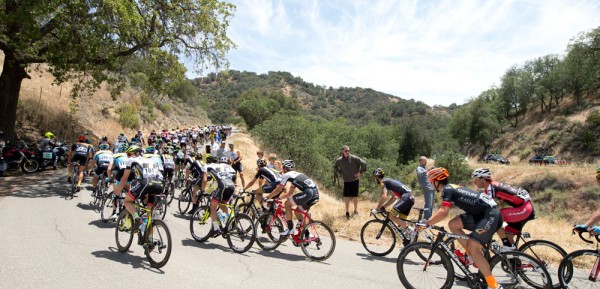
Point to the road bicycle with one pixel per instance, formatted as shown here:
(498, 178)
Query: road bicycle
(185, 197)
(169, 190)
(74, 177)
(511, 269)
(315, 238)
(99, 192)
(238, 228)
(249, 207)
(153, 236)
(581, 268)
(108, 201)
(378, 236)
(547, 253)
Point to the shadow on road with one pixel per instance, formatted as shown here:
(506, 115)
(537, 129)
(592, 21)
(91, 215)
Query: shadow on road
(38, 185)
(87, 207)
(135, 261)
(103, 225)
(181, 216)
(204, 245)
(370, 257)
(286, 256)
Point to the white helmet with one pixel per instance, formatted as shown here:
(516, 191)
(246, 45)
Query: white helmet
(223, 160)
(289, 164)
(482, 173)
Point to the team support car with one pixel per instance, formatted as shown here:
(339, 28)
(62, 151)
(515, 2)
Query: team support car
(496, 158)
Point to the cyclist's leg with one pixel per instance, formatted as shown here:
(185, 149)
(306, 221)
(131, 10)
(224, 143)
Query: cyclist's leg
(136, 192)
(482, 233)
(515, 218)
(402, 209)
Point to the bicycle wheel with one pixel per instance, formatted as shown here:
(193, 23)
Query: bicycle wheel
(318, 241)
(240, 233)
(580, 269)
(513, 268)
(458, 273)
(158, 244)
(160, 208)
(201, 224)
(185, 199)
(246, 208)
(377, 238)
(414, 272)
(170, 191)
(123, 234)
(268, 232)
(549, 254)
(106, 207)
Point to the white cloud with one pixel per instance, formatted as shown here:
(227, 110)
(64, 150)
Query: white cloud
(435, 51)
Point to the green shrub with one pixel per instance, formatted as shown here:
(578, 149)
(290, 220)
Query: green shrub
(165, 108)
(593, 119)
(547, 182)
(525, 153)
(457, 166)
(128, 117)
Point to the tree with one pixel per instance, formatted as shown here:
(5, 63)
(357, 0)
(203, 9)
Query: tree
(91, 41)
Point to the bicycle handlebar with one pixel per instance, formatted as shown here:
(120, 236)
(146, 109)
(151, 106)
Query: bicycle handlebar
(581, 231)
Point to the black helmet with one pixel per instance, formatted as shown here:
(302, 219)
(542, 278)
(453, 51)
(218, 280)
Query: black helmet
(212, 160)
(261, 162)
(378, 172)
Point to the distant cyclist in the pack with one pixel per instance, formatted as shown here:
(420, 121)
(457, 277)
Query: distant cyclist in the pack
(401, 193)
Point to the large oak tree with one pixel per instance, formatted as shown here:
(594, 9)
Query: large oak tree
(93, 40)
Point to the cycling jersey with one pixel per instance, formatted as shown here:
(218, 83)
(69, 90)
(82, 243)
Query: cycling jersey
(156, 159)
(268, 174)
(223, 174)
(397, 187)
(514, 196)
(223, 170)
(103, 158)
(471, 202)
(81, 149)
(119, 166)
(298, 180)
(144, 168)
(168, 162)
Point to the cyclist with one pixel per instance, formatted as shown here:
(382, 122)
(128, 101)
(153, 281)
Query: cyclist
(79, 153)
(595, 218)
(104, 140)
(273, 179)
(402, 194)
(195, 166)
(103, 161)
(481, 217)
(235, 159)
(147, 182)
(308, 196)
(520, 212)
(152, 155)
(118, 169)
(168, 162)
(224, 176)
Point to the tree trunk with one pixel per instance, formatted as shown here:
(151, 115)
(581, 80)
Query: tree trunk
(10, 85)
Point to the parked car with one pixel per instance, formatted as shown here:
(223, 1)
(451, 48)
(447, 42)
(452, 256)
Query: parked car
(537, 160)
(546, 160)
(496, 158)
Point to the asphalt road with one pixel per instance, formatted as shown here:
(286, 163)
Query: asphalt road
(50, 242)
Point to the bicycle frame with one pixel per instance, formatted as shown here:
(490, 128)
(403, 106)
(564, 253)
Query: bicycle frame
(306, 220)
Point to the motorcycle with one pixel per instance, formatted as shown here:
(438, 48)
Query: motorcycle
(45, 157)
(17, 157)
(62, 153)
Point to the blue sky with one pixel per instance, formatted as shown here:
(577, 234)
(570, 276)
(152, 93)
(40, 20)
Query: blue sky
(439, 52)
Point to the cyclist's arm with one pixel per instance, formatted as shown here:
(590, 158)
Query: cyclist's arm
(288, 194)
(109, 169)
(382, 199)
(204, 179)
(250, 183)
(594, 219)
(440, 215)
(276, 191)
(390, 201)
(123, 181)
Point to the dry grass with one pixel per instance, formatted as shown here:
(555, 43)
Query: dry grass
(331, 210)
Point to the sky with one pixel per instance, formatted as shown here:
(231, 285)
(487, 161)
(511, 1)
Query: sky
(438, 52)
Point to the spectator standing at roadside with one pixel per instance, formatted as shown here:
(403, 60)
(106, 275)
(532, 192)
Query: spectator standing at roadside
(351, 168)
(428, 190)
(274, 163)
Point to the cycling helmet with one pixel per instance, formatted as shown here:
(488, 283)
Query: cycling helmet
(289, 164)
(104, 138)
(150, 150)
(103, 146)
(223, 160)
(261, 162)
(437, 174)
(122, 148)
(482, 173)
(378, 172)
(82, 138)
(49, 135)
(133, 149)
(211, 159)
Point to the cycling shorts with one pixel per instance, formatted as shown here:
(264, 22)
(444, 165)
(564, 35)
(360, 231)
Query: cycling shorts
(100, 170)
(168, 173)
(403, 206)
(306, 199)
(119, 175)
(517, 217)
(179, 161)
(237, 167)
(224, 191)
(146, 187)
(484, 226)
(80, 159)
